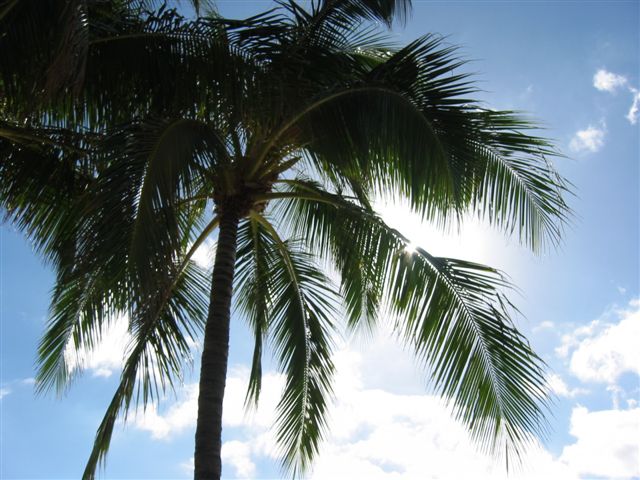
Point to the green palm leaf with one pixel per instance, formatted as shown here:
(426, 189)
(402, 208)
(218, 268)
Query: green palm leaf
(453, 312)
(290, 124)
(406, 128)
(158, 350)
(301, 308)
(254, 293)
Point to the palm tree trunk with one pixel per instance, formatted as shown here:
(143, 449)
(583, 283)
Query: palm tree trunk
(215, 351)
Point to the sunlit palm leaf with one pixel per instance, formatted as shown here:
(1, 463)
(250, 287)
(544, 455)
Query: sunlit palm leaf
(406, 127)
(182, 112)
(453, 313)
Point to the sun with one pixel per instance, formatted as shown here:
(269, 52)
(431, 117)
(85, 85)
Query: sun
(410, 248)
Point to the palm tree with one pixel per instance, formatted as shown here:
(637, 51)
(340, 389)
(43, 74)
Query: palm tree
(278, 132)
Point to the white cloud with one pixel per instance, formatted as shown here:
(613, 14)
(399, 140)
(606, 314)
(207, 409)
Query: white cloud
(9, 387)
(179, 417)
(608, 349)
(188, 466)
(545, 325)
(373, 433)
(235, 414)
(607, 443)
(238, 455)
(108, 356)
(558, 386)
(182, 414)
(610, 82)
(377, 430)
(571, 340)
(235, 454)
(386, 435)
(607, 81)
(591, 139)
(632, 116)
(204, 254)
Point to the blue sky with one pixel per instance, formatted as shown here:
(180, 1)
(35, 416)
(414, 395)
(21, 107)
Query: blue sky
(572, 65)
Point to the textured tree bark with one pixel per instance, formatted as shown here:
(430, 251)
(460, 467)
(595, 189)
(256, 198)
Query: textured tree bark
(215, 351)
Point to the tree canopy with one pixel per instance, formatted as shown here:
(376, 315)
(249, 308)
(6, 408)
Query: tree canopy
(142, 132)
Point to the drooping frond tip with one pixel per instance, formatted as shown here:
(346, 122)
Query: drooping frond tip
(454, 314)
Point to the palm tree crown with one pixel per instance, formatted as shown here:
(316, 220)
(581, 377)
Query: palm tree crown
(278, 131)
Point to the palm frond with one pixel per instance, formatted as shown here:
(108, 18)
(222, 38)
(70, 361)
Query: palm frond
(519, 189)
(254, 291)
(302, 309)
(378, 139)
(373, 10)
(41, 167)
(82, 307)
(453, 312)
(166, 158)
(407, 128)
(173, 64)
(161, 327)
(104, 269)
(361, 276)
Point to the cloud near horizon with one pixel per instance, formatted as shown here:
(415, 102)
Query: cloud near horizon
(378, 432)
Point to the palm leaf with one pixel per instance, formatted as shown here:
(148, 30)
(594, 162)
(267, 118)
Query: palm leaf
(254, 291)
(160, 327)
(300, 324)
(407, 128)
(453, 312)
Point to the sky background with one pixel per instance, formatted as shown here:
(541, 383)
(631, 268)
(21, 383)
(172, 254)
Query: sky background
(575, 67)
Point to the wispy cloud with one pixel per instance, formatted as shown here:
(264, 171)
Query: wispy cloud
(180, 416)
(234, 454)
(610, 350)
(606, 81)
(238, 455)
(558, 386)
(632, 116)
(544, 325)
(591, 139)
(14, 385)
